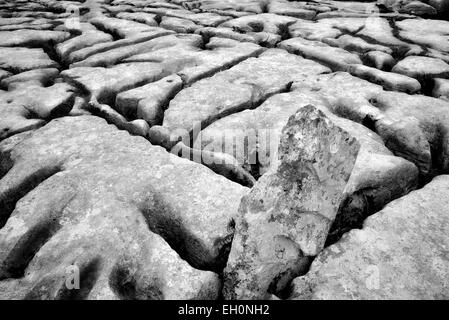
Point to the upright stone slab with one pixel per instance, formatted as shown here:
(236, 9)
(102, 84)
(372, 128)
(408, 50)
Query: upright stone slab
(285, 219)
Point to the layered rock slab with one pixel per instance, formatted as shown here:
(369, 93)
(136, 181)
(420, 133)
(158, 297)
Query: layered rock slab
(242, 87)
(401, 253)
(82, 187)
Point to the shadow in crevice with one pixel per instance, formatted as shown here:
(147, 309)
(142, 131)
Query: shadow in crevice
(10, 197)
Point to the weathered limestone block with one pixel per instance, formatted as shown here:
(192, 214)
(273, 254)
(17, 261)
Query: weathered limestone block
(18, 60)
(389, 80)
(265, 22)
(40, 77)
(179, 25)
(111, 56)
(441, 89)
(121, 27)
(400, 253)
(241, 87)
(412, 126)
(84, 53)
(422, 68)
(291, 9)
(429, 33)
(105, 83)
(285, 218)
(82, 41)
(29, 106)
(148, 102)
(356, 44)
(379, 60)
(84, 181)
(141, 17)
(193, 59)
(31, 38)
(335, 58)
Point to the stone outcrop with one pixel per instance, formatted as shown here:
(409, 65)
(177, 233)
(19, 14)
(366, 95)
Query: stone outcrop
(209, 149)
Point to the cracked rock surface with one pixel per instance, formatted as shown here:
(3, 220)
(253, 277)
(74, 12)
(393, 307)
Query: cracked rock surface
(236, 149)
(404, 243)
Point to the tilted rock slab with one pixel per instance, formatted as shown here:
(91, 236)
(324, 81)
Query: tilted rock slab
(285, 218)
(401, 253)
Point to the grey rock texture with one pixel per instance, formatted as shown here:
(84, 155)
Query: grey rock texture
(241, 87)
(400, 253)
(142, 144)
(70, 158)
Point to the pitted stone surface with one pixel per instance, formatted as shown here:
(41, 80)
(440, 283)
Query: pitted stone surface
(394, 246)
(208, 86)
